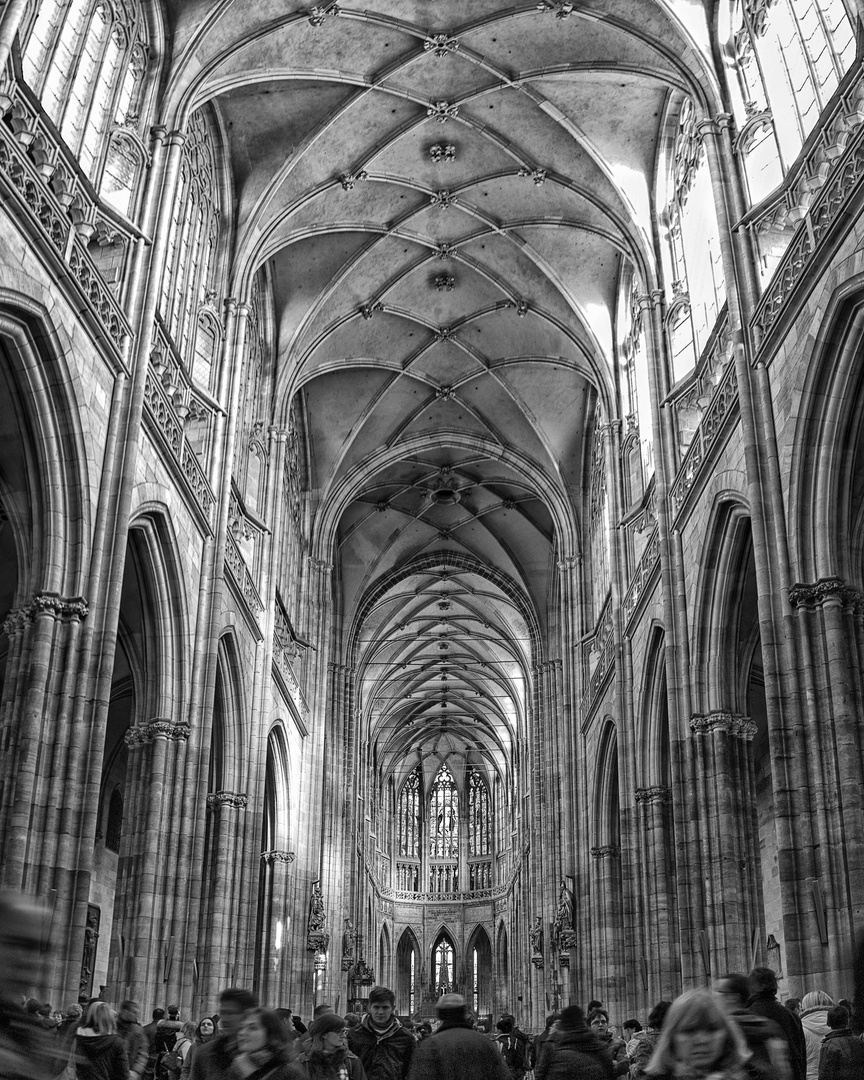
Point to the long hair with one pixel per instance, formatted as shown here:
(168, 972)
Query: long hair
(321, 1064)
(100, 1018)
(692, 1011)
(278, 1043)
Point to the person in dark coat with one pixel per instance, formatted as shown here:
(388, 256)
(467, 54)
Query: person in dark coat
(263, 1047)
(150, 1035)
(130, 1031)
(213, 1060)
(842, 1056)
(765, 1040)
(456, 1050)
(574, 1050)
(380, 1041)
(98, 1050)
(763, 1000)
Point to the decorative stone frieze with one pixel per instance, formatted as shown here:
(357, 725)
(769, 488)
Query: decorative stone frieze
(657, 795)
(442, 111)
(227, 800)
(160, 728)
(607, 851)
(440, 45)
(741, 727)
(809, 597)
(271, 857)
(441, 153)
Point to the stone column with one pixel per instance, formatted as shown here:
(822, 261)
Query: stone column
(148, 865)
(276, 978)
(660, 932)
(725, 807)
(11, 19)
(606, 900)
(219, 956)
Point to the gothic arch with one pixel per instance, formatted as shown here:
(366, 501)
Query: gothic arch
(606, 787)
(385, 955)
(409, 972)
(653, 742)
(826, 511)
(478, 970)
(444, 961)
(228, 742)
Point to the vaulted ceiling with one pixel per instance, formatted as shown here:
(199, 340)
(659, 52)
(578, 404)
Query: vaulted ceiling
(447, 193)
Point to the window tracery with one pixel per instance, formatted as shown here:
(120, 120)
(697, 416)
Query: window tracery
(443, 963)
(444, 816)
(409, 818)
(478, 814)
(192, 238)
(86, 61)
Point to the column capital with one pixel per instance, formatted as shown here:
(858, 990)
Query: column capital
(159, 728)
(657, 795)
(270, 857)
(320, 566)
(826, 590)
(741, 727)
(607, 851)
(228, 800)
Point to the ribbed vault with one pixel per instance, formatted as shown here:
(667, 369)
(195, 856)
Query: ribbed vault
(449, 198)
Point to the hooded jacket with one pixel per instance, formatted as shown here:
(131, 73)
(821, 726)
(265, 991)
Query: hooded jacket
(815, 1024)
(386, 1055)
(100, 1057)
(574, 1052)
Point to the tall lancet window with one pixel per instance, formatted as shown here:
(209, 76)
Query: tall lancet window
(478, 814)
(409, 816)
(443, 966)
(444, 817)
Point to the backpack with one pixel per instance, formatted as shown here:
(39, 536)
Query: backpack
(172, 1060)
(515, 1053)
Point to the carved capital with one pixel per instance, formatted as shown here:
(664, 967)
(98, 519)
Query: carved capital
(160, 728)
(320, 566)
(227, 800)
(60, 607)
(271, 857)
(17, 619)
(537, 961)
(317, 941)
(741, 727)
(654, 795)
(607, 851)
(825, 590)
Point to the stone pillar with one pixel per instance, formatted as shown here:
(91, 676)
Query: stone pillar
(660, 908)
(148, 868)
(606, 899)
(218, 956)
(11, 19)
(276, 977)
(725, 807)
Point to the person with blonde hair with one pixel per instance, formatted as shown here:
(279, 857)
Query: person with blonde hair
(814, 1020)
(699, 1041)
(98, 1052)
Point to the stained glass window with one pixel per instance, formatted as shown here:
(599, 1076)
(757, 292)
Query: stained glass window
(443, 958)
(478, 814)
(444, 816)
(409, 816)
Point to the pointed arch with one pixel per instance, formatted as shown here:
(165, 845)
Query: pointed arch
(228, 742)
(444, 962)
(409, 972)
(653, 743)
(478, 970)
(385, 956)
(607, 827)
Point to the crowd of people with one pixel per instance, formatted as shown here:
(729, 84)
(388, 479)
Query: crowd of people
(736, 1030)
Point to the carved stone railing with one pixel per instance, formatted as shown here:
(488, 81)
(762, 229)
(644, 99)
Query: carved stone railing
(41, 181)
(691, 397)
(285, 647)
(240, 572)
(644, 571)
(480, 875)
(839, 180)
(161, 413)
(603, 643)
(446, 897)
(722, 405)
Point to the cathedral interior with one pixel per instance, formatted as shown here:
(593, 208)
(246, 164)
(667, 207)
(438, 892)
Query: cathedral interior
(431, 496)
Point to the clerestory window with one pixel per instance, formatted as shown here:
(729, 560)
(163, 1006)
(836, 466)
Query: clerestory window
(479, 842)
(86, 61)
(409, 816)
(444, 816)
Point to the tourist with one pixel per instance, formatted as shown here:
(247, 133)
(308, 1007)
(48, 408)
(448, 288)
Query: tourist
(598, 1021)
(455, 1050)
(263, 1047)
(380, 1041)
(212, 1060)
(814, 1020)
(327, 1056)
(540, 1040)
(66, 1031)
(765, 1040)
(130, 1031)
(204, 1033)
(641, 1047)
(763, 1000)
(513, 1045)
(573, 1050)
(699, 1041)
(842, 1054)
(98, 1051)
(25, 1050)
(174, 1060)
(794, 1006)
(150, 1035)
